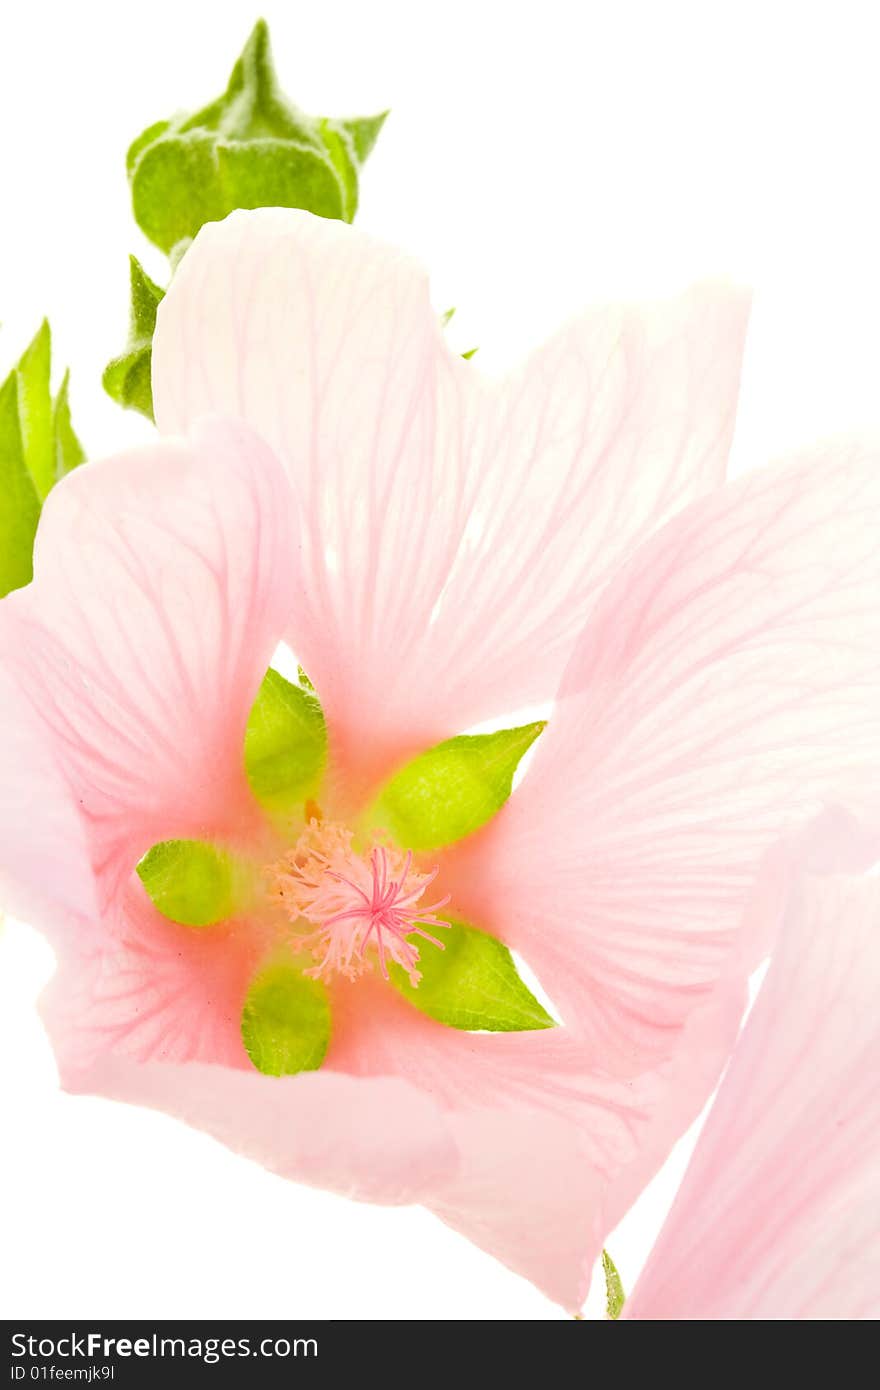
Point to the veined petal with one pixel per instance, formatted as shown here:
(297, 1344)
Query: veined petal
(526, 1192)
(375, 1141)
(150, 990)
(509, 1138)
(160, 593)
(151, 1015)
(727, 685)
(552, 1151)
(325, 341)
(604, 433)
(778, 1217)
(50, 870)
(452, 534)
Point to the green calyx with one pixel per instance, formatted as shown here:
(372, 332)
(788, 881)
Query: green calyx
(128, 377)
(615, 1296)
(38, 447)
(452, 789)
(285, 1022)
(470, 981)
(251, 147)
(285, 745)
(473, 984)
(195, 883)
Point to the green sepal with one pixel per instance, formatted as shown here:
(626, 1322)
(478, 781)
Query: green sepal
(38, 446)
(285, 1022)
(363, 132)
(195, 883)
(473, 983)
(128, 377)
(285, 745)
(69, 452)
(614, 1293)
(35, 410)
(348, 143)
(19, 500)
(452, 789)
(249, 148)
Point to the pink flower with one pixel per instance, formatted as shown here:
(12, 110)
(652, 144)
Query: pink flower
(437, 551)
(778, 1217)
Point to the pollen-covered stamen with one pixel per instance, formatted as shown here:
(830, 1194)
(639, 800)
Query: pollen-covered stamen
(356, 902)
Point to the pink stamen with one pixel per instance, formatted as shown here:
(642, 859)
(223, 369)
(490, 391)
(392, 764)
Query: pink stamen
(356, 902)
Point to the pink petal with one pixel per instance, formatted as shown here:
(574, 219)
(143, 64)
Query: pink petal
(33, 791)
(552, 1150)
(526, 1192)
(150, 1014)
(778, 1217)
(507, 1137)
(604, 433)
(376, 1141)
(133, 1022)
(141, 987)
(729, 682)
(452, 534)
(526, 1124)
(161, 591)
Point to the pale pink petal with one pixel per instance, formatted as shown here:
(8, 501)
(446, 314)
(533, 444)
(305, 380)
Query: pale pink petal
(161, 590)
(507, 1137)
(529, 1126)
(452, 534)
(516, 1183)
(325, 341)
(151, 1015)
(729, 682)
(553, 1150)
(778, 1217)
(526, 1192)
(377, 1141)
(379, 1033)
(673, 1094)
(603, 434)
(46, 872)
(142, 987)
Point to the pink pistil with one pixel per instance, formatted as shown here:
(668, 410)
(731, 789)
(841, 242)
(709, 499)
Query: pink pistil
(356, 902)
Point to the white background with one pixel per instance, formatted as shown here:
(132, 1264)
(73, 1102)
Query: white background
(537, 156)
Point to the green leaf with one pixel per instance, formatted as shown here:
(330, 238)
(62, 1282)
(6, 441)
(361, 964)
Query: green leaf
(251, 147)
(285, 744)
(193, 883)
(37, 447)
(69, 453)
(453, 789)
(472, 984)
(128, 377)
(35, 410)
(614, 1294)
(285, 1022)
(19, 501)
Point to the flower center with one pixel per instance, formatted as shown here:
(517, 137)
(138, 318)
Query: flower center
(362, 905)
